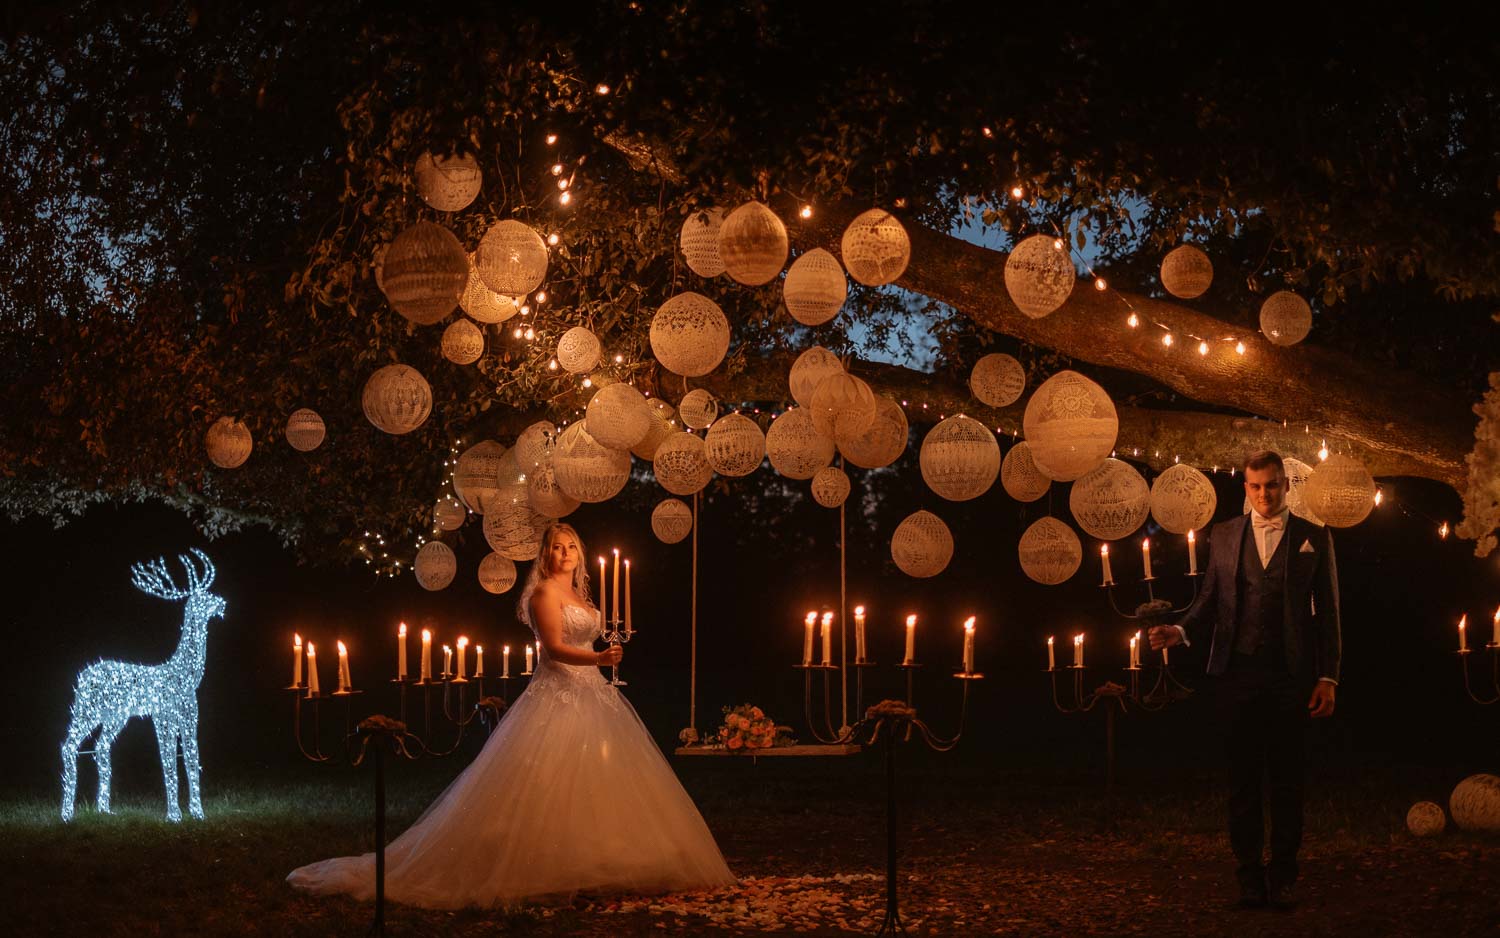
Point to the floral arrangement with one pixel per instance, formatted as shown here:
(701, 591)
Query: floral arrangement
(747, 727)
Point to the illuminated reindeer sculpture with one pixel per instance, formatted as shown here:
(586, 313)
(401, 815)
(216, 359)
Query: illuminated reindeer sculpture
(109, 693)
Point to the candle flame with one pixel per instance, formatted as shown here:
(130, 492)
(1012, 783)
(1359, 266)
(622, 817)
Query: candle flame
(1497, 615)
(402, 630)
(1049, 639)
(1191, 538)
(911, 621)
(617, 551)
(860, 610)
(479, 649)
(812, 617)
(1103, 550)
(463, 641)
(311, 651)
(427, 635)
(342, 649)
(1145, 543)
(1463, 623)
(969, 624)
(505, 648)
(297, 639)
(1078, 639)
(447, 650)
(627, 563)
(827, 618)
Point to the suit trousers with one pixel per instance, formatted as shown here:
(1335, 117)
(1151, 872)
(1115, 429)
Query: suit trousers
(1263, 709)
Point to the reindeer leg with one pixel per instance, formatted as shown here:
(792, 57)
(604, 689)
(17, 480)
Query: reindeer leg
(102, 755)
(77, 733)
(166, 745)
(190, 767)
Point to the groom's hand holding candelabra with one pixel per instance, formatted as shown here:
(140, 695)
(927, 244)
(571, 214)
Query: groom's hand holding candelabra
(1164, 636)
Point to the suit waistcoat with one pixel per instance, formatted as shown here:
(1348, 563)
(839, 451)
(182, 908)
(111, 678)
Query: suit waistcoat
(1261, 610)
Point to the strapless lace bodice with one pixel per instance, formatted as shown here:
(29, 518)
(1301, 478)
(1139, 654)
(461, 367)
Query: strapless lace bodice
(563, 682)
(580, 626)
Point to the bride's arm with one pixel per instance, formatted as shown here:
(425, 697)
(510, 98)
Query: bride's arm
(547, 613)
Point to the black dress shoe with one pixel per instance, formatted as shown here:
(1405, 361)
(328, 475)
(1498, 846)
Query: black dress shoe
(1252, 895)
(1284, 896)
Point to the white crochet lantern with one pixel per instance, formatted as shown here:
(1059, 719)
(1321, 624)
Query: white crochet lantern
(1285, 318)
(435, 565)
(671, 521)
(1426, 819)
(735, 445)
(1475, 803)
(681, 464)
(532, 449)
(883, 442)
(1039, 276)
(1110, 502)
(587, 469)
(514, 529)
(1071, 425)
(809, 370)
(448, 514)
(1050, 552)
(997, 380)
(462, 343)
(1020, 477)
(546, 496)
(497, 574)
(618, 416)
(815, 289)
(1340, 491)
(830, 486)
(397, 399)
(476, 478)
(578, 350)
(699, 242)
(512, 259)
(960, 458)
(305, 430)
(424, 273)
(228, 442)
(1183, 499)
(698, 409)
(1186, 272)
(876, 248)
(663, 420)
(484, 304)
(922, 545)
(842, 408)
(689, 335)
(752, 244)
(796, 448)
(1297, 474)
(448, 183)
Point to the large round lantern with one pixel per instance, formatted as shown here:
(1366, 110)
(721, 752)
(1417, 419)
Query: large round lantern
(1426, 819)
(435, 565)
(843, 407)
(699, 242)
(830, 486)
(497, 573)
(1475, 803)
(1071, 425)
(514, 529)
(228, 442)
(1050, 552)
(876, 248)
(815, 289)
(1039, 275)
(735, 446)
(922, 545)
(681, 464)
(546, 496)
(476, 478)
(447, 183)
(1022, 480)
(752, 244)
(424, 273)
(689, 335)
(532, 447)
(809, 371)
(448, 514)
(397, 399)
(462, 343)
(1183, 499)
(1285, 318)
(671, 521)
(587, 469)
(484, 304)
(305, 430)
(698, 409)
(883, 442)
(1297, 474)
(1340, 491)
(578, 350)
(997, 380)
(1110, 502)
(795, 447)
(960, 458)
(618, 416)
(1186, 272)
(663, 423)
(512, 259)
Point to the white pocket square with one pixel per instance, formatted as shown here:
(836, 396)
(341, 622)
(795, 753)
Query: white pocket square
(1306, 548)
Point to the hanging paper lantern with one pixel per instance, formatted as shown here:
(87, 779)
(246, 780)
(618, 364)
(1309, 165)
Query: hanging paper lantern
(1111, 501)
(830, 486)
(843, 407)
(1186, 272)
(884, 441)
(1050, 552)
(512, 259)
(876, 248)
(532, 446)
(922, 545)
(681, 464)
(618, 416)
(1183, 499)
(476, 478)
(1426, 819)
(815, 289)
(699, 242)
(1475, 803)
(698, 409)
(1297, 474)
(1022, 480)
(587, 469)
(484, 304)
(397, 399)
(671, 521)
(305, 430)
(1340, 491)
(735, 445)
(1285, 318)
(435, 565)
(752, 244)
(1039, 276)
(578, 350)
(1071, 425)
(997, 380)
(796, 448)
(960, 458)
(689, 335)
(447, 183)
(546, 496)
(809, 370)
(448, 514)
(663, 420)
(497, 573)
(424, 273)
(514, 529)
(228, 442)
(462, 343)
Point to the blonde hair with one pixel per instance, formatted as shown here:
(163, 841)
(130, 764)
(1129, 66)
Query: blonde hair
(541, 569)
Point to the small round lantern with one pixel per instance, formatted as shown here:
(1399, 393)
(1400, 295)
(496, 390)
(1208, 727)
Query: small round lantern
(997, 380)
(1186, 272)
(884, 441)
(843, 407)
(796, 449)
(1110, 502)
(815, 289)
(305, 430)
(876, 248)
(698, 409)
(1020, 477)
(960, 458)
(1285, 318)
(532, 449)
(663, 423)
(546, 496)
(922, 545)
(463, 342)
(1050, 552)
(424, 273)
(587, 469)
(752, 244)
(1071, 425)
(689, 335)
(435, 565)
(497, 573)
(830, 486)
(476, 477)
(1039, 276)
(1426, 819)
(484, 304)
(735, 446)
(681, 464)
(809, 370)
(397, 399)
(699, 242)
(228, 442)
(512, 259)
(1475, 803)
(578, 350)
(448, 514)
(448, 183)
(1183, 499)
(514, 529)
(618, 416)
(1340, 491)
(671, 521)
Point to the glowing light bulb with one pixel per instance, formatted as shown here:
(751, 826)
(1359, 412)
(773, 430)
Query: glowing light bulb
(562, 184)
(1443, 531)
(1057, 244)
(551, 139)
(529, 334)
(517, 333)
(525, 310)
(552, 365)
(806, 211)
(1202, 348)
(588, 382)
(1379, 497)
(557, 169)
(1099, 284)
(987, 131)
(552, 239)
(1133, 321)
(1239, 348)
(1167, 340)
(565, 198)
(1016, 192)
(601, 88)
(541, 296)
(1323, 451)
(619, 359)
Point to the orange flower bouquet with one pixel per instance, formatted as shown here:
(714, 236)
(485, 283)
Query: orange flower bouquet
(747, 728)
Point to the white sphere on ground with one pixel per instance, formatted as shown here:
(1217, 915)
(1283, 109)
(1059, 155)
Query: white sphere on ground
(424, 273)
(1039, 276)
(587, 469)
(735, 445)
(228, 443)
(922, 545)
(497, 573)
(533, 446)
(618, 416)
(449, 514)
(796, 449)
(448, 183)
(1050, 552)
(1340, 491)
(663, 419)
(1297, 474)
(476, 477)
(1020, 477)
(752, 244)
(1426, 819)
(1285, 318)
(671, 521)
(1110, 502)
(305, 430)
(1183, 499)
(514, 529)
(435, 565)
(959, 458)
(883, 442)
(699, 241)
(698, 409)
(809, 371)
(814, 289)
(876, 248)
(1475, 803)
(830, 486)
(397, 399)
(1186, 272)
(681, 464)
(578, 350)
(512, 259)
(484, 304)
(463, 342)
(843, 407)
(545, 495)
(997, 380)
(1071, 425)
(689, 335)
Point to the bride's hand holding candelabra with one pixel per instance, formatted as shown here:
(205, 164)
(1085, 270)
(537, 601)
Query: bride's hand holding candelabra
(609, 657)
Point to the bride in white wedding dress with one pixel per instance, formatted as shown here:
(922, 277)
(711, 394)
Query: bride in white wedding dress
(569, 793)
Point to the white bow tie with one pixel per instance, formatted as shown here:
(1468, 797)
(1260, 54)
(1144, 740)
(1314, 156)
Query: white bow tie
(1267, 524)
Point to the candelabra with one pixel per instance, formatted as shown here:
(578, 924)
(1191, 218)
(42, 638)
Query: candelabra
(1463, 663)
(614, 636)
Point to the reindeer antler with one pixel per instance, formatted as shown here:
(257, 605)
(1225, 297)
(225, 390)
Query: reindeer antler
(153, 579)
(196, 583)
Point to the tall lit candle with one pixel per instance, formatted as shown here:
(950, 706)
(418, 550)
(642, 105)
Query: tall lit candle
(1078, 650)
(1463, 628)
(447, 661)
(296, 660)
(1192, 553)
(1135, 641)
(911, 640)
(827, 639)
(628, 625)
(426, 655)
(859, 632)
(1109, 577)
(344, 681)
(807, 638)
(1495, 634)
(603, 596)
(463, 645)
(614, 601)
(1051, 655)
(479, 661)
(401, 652)
(969, 645)
(505, 660)
(530, 657)
(1146, 556)
(312, 670)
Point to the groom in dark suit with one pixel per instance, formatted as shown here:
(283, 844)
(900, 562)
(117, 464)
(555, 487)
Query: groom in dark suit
(1270, 610)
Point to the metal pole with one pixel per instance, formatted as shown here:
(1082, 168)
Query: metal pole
(693, 654)
(843, 628)
(1109, 759)
(379, 927)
